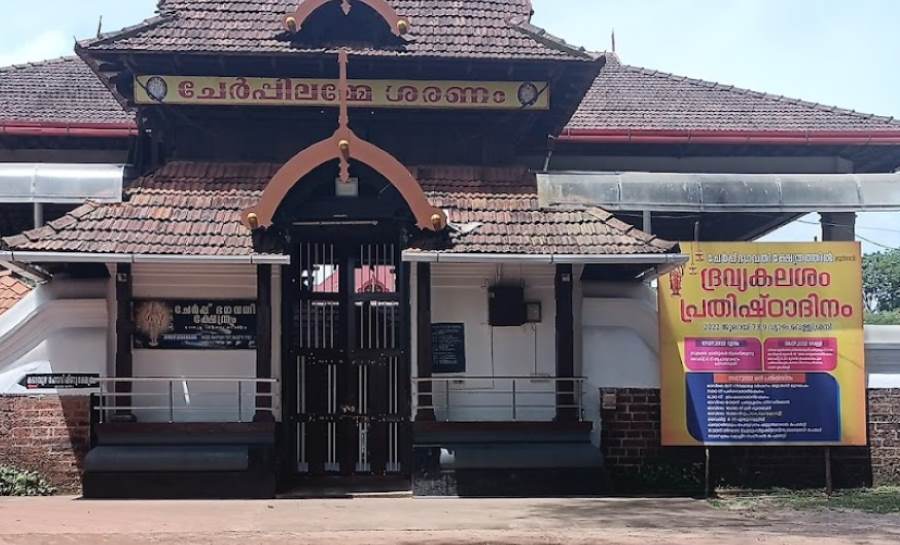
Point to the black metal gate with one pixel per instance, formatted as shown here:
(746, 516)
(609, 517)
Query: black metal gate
(348, 381)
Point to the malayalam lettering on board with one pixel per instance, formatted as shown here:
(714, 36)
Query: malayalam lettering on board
(195, 325)
(240, 91)
(762, 343)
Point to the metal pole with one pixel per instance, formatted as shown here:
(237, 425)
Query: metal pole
(101, 404)
(706, 487)
(515, 415)
(240, 401)
(447, 386)
(579, 386)
(829, 484)
(38, 215)
(171, 402)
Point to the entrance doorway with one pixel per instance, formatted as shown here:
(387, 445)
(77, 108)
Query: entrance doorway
(347, 381)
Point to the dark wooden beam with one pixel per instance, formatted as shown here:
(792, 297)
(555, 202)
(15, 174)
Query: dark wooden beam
(565, 342)
(264, 342)
(423, 347)
(124, 329)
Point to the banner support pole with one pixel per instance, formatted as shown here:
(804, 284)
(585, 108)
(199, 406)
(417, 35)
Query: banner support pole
(706, 483)
(829, 484)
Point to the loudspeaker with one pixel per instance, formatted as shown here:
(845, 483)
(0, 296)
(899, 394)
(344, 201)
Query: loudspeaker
(506, 306)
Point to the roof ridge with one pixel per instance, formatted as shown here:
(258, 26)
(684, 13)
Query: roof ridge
(710, 84)
(543, 36)
(146, 24)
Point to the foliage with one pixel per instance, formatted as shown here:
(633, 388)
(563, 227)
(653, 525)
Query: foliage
(883, 318)
(17, 482)
(881, 281)
(660, 477)
(870, 500)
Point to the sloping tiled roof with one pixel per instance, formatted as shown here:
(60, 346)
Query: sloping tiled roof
(12, 290)
(501, 208)
(633, 98)
(440, 28)
(194, 209)
(60, 91)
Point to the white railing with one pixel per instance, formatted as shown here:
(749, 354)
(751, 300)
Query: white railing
(514, 397)
(173, 398)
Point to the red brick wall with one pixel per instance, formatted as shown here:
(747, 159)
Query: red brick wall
(48, 434)
(631, 441)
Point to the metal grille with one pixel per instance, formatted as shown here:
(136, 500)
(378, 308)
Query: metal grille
(353, 400)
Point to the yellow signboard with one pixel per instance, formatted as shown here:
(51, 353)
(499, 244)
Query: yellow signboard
(762, 344)
(231, 91)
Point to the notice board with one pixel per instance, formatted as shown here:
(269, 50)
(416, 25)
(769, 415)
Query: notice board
(448, 348)
(762, 344)
(195, 325)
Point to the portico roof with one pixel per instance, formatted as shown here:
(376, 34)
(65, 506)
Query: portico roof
(193, 209)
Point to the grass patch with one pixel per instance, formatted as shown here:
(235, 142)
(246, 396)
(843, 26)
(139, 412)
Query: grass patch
(869, 500)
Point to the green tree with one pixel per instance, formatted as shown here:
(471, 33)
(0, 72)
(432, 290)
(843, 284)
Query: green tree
(881, 281)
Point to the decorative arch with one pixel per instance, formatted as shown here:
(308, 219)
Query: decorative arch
(293, 22)
(343, 145)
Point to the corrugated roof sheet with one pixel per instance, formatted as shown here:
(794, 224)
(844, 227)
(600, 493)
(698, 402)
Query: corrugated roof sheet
(194, 209)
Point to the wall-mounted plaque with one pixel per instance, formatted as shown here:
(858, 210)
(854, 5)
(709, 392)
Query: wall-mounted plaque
(60, 381)
(448, 348)
(195, 325)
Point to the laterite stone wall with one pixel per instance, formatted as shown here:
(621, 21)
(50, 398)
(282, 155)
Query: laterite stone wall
(47, 434)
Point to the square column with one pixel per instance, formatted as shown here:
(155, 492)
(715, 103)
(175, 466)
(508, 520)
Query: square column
(565, 343)
(838, 226)
(424, 346)
(124, 358)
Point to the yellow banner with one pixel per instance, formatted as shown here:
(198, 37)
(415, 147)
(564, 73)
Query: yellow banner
(230, 91)
(762, 344)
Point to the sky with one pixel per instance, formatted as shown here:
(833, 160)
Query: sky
(830, 51)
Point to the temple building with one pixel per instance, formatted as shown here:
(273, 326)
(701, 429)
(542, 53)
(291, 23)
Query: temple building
(410, 243)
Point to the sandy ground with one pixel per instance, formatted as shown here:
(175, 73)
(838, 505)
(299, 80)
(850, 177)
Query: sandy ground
(405, 521)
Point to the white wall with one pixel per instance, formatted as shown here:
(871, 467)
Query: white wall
(202, 282)
(883, 356)
(460, 295)
(60, 327)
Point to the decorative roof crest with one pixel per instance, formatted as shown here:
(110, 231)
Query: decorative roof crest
(293, 22)
(344, 145)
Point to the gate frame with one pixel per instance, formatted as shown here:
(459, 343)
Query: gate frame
(389, 232)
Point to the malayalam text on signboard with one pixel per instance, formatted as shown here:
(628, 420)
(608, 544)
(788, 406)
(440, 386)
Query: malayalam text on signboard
(762, 343)
(61, 381)
(236, 91)
(448, 348)
(195, 325)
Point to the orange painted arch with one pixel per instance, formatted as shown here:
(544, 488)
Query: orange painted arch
(294, 171)
(306, 8)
